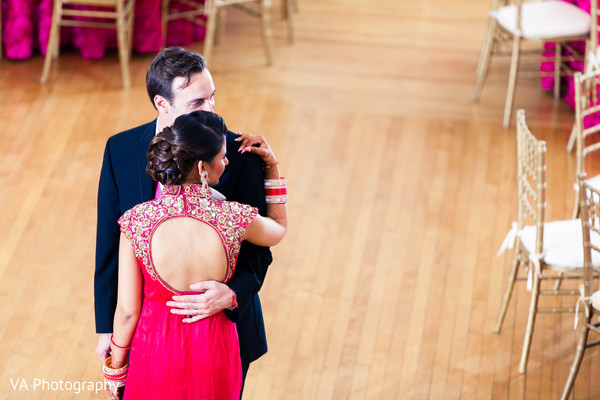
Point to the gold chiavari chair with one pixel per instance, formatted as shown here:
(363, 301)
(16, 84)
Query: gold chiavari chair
(107, 14)
(195, 11)
(587, 125)
(513, 22)
(210, 13)
(592, 60)
(543, 251)
(590, 295)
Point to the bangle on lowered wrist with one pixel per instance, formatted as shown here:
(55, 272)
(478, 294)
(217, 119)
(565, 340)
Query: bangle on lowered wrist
(116, 345)
(114, 373)
(234, 301)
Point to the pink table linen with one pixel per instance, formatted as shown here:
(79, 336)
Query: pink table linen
(548, 82)
(26, 27)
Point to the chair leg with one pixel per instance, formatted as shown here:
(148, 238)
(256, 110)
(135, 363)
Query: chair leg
(164, 21)
(484, 58)
(56, 43)
(209, 37)
(535, 294)
(265, 28)
(512, 81)
(123, 42)
(576, 205)
(572, 138)
(221, 15)
(0, 31)
(580, 349)
(130, 19)
(557, 66)
(51, 50)
(290, 20)
(509, 289)
(558, 281)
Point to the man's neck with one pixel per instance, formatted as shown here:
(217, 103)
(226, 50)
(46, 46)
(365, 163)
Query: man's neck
(159, 124)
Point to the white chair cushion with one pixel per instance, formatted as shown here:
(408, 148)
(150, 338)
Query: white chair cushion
(595, 300)
(593, 182)
(544, 20)
(563, 246)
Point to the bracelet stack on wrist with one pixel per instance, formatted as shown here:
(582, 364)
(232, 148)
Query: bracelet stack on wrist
(276, 191)
(114, 379)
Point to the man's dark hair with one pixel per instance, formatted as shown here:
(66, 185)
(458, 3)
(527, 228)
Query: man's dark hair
(171, 63)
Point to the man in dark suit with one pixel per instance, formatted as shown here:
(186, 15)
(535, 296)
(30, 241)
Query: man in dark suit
(178, 82)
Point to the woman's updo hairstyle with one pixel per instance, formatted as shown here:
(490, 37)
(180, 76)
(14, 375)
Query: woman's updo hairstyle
(174, 152)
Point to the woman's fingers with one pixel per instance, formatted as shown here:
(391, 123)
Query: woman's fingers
(247, 140)
(256, 144)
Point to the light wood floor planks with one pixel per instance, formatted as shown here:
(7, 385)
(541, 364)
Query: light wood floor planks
(401, 191)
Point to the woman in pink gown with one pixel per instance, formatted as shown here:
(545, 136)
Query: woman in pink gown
(182, 237)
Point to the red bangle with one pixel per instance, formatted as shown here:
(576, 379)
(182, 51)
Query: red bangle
(235, 303)
(276, 192)
(116, 345)
(115, 377)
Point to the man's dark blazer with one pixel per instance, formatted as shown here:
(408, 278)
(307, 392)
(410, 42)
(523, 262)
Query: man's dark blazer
(124, 184)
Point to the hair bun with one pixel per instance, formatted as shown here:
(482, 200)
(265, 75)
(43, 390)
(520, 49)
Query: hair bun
(173, 153)
(162, 166)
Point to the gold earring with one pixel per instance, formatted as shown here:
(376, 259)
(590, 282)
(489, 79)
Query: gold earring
(203, 179)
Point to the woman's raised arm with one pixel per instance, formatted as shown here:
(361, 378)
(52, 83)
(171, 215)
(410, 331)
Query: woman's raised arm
(269, 230)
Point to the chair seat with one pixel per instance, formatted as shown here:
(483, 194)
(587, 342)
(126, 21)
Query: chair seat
(593, 182)
(563, 245)
(545, 20)
(595, 300)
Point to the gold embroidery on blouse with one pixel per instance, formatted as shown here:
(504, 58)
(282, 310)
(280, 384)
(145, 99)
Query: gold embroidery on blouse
(229, 219)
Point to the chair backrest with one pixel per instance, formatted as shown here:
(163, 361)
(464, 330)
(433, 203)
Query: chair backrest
(531, 177)
(587, 114)
(589, 203)
(94, 13)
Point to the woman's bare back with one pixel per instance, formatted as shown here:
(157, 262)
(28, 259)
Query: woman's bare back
(185, 250)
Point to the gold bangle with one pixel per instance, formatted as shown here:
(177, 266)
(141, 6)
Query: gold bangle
(108, 370)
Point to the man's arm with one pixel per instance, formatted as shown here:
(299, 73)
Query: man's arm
(251, 270)
(107, 248)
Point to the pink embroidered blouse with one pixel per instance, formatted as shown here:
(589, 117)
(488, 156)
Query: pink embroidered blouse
(228, 219)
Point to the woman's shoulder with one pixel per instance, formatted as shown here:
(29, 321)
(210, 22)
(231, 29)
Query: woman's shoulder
(145, 210)
(236, 207)
(239, 213)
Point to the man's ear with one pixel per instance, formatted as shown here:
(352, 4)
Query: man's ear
(161, 104)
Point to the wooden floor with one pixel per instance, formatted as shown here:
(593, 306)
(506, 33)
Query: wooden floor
(401, 191)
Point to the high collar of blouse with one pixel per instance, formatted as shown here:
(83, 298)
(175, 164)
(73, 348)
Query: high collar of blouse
(188, 190)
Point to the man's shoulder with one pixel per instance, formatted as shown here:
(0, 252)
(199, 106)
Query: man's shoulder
(236, 159)
(132, 135)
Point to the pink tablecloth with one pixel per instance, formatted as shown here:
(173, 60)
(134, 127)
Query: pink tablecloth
(548, 82)
(26, 27)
